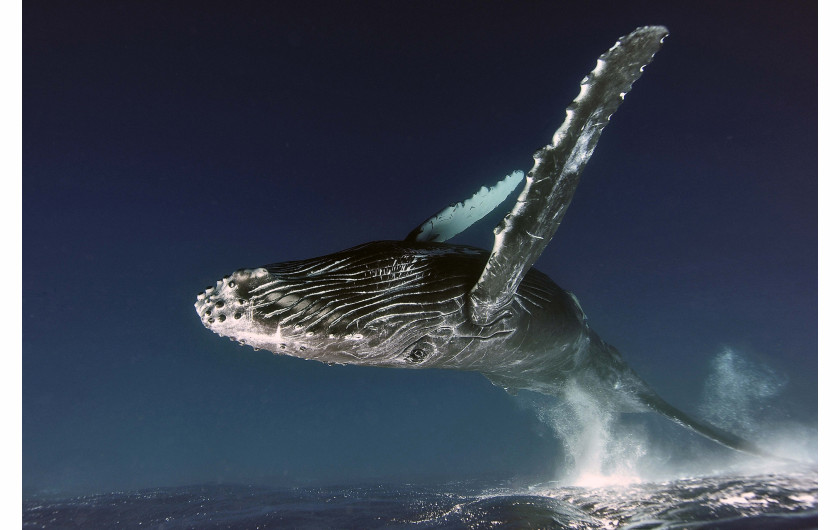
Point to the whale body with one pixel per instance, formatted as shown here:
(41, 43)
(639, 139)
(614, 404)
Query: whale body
(425, 303)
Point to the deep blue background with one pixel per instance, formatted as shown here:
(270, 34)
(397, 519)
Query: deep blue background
(166, 144)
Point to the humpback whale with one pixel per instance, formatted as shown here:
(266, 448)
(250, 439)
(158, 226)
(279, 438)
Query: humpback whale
(425, 303)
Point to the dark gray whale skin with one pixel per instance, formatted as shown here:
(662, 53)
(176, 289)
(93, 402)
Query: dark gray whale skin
(424, 303)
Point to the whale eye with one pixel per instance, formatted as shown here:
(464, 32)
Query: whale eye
(416, 355)
(424, 350)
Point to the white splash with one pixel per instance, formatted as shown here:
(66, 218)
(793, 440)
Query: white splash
(604, 450)
(737, 391)
(600, 451)
(742, 395)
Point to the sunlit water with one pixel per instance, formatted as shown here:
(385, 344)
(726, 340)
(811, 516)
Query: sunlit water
(758, 501)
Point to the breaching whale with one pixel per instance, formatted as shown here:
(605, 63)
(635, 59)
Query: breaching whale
(425, 303)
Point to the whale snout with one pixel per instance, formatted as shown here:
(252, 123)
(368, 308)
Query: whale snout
(223, 307)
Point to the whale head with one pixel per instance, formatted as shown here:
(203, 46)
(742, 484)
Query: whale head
(386, 303)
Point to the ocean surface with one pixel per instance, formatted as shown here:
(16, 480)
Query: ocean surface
(776, 500)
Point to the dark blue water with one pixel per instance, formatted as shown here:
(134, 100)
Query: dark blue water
(785, 500)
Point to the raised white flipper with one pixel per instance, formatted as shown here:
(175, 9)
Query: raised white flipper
(457, 217)
(524, 233)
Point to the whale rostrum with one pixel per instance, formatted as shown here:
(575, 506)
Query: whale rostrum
(425, 303)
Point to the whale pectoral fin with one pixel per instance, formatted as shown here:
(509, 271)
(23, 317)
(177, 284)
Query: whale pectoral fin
(524, 233)
(457, 217)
